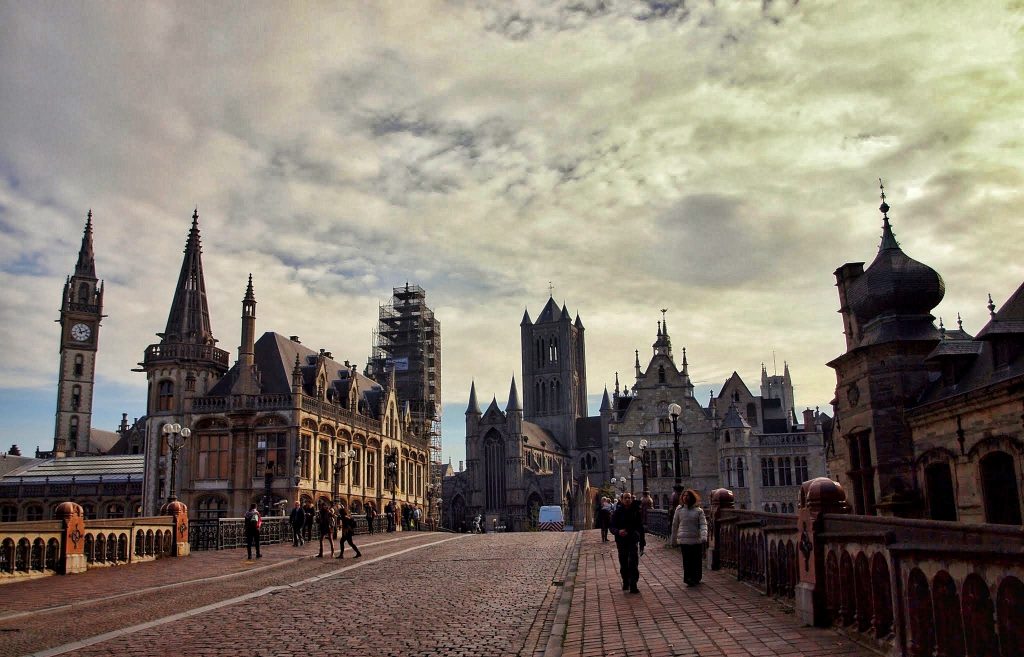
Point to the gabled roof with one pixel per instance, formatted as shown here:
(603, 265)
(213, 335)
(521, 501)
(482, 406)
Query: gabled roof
(733, 419)
(550, 313)
(1010, 318)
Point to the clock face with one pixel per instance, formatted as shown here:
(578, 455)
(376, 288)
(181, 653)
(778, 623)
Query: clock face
(81, 332)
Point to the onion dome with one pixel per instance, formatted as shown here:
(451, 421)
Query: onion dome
(894, 283)
(174, 507)
(68, 509)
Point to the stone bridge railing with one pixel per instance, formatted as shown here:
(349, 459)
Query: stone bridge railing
(228, 533)
(908, 587)
(71, 544)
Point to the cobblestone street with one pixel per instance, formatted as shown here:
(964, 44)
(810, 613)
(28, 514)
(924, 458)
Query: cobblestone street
(410, 594)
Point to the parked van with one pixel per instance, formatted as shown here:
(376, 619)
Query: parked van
(550, 519)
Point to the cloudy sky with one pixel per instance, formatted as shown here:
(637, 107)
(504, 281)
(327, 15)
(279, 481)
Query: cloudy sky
(719, 159)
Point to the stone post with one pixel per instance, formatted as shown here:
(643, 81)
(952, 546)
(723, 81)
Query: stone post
(72, 544)
(722, 499)
(817, 497)
(179, 512)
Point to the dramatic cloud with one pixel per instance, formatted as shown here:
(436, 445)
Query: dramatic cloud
(716, 159)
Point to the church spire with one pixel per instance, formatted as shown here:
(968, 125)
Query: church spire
(888, 239)
(86, 265)
(474, 406)
(189, 319)
(513, 398)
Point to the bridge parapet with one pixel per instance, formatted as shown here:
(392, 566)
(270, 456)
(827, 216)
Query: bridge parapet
(909, 587)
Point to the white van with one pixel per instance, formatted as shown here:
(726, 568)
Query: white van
(550, 519)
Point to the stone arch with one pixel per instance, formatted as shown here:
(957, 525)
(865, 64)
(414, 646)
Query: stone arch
(762, 567)
(327, 430)
(848, 603)
(1010, 615)
(23, 555)
(122, 547)
(793, 574)
(52, 553)
(832, 599)
(167, 543)
(773, 568)
(7, 556)
(919, 615)
(949, 629)
(999, 487)
(862, 592)
(38, 554)
(149, 542)
(457, 509)
(881, 596)
(88, 548)
(978, 614)
(111, 555)
(140, 543)
(101, 548)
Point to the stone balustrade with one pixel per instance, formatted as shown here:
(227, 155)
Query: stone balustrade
(71, 544)
(908, 587)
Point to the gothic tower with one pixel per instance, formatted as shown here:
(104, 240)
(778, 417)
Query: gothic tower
(186, 362)
(554, 371)
(81, 310)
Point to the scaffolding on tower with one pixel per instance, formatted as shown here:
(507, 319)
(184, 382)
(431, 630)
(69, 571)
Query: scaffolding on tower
(408, 341)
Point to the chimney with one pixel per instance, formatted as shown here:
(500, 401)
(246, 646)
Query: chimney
(808, 420)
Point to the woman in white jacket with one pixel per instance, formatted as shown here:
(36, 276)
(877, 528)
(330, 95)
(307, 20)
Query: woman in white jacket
(690, 533)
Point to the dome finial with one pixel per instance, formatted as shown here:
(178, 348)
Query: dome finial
(991, 306)
(888, 239)
(884, 207)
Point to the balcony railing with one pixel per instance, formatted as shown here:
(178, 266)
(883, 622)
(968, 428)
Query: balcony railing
(185, 352)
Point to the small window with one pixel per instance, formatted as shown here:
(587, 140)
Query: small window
(165, 396)
(79, 367)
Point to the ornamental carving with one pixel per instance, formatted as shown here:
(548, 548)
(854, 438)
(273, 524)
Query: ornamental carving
(853, 394)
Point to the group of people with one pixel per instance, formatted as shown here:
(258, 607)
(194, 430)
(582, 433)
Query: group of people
(328, 519)
(625, 522)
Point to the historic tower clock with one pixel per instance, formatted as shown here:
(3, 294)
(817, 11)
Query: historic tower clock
(81, 310)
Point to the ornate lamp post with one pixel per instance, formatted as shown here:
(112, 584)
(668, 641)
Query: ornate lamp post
(391, 471)
(642, 457)
(673, 412)
(176, 436)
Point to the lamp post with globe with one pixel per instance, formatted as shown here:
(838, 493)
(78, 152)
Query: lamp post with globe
(176, 435)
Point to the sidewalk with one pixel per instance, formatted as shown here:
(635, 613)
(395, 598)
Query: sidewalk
(719, 618)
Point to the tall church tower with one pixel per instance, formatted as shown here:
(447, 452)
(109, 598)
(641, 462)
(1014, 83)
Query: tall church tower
(185, 364)
(81, 310)
(554, 371)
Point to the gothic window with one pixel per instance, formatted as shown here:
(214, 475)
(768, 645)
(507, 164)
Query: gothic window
(79, 365)
(538, 396)
(8, 513)
(494, 471)
(271, 454)
(213, 457)
(83, 293)
(556, 389)
(554, 351)
(419, 479)
(728, 438)
(305, 455)
(323, 461)
(941, 498)
(165, 396)
(861, 474)
(751, 413)
(371, 469)
(76, 396)
(115, 510)
(355, 467)
(1000, 489)
(801, 469)
(666, 463)
(652, 463)
(35, 512)
(664, 425)
(728, 473)
(543, 396)
(771, 472)
(661, 374)
(765, 469)
(684, 463)
(539, 347)
(73, 433)
(736, 396)
(787, 470)
(211, 508)
(741, 479)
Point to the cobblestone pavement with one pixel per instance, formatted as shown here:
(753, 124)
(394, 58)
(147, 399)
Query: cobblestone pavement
(532, 595)
(719, 618)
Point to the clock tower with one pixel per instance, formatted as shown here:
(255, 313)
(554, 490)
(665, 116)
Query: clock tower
(81, 310)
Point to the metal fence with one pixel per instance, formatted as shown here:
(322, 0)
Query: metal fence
(228, 533)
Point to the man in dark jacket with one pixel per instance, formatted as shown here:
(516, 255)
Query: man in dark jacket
(298, 519)
(310, 520)
(628, 528)
(253, 522)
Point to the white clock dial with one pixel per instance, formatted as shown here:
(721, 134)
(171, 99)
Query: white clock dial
(81, 332)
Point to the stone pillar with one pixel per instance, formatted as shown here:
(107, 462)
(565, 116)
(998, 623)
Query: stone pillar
(72, 544)
(179, 512)
(817, 497)
(722, 499)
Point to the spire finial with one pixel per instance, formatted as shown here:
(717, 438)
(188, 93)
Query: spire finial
(888, 239)
(884, 207)
(942, 329)
(88, 217)
(551, 290)
(991, 306)
(959, 322)
(249, 296)
(664, 322)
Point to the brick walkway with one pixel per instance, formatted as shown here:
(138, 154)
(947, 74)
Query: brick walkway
(719, 618)
(530, 595)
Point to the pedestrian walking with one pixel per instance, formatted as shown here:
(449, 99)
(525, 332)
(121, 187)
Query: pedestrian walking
(310, 520)
(325, 523)
(298, 519)
(371, 515)
(630, 540)
(253, 522)
(348, 530)
(690, 533)
(416, 516)
(390, 511)
(604, 517)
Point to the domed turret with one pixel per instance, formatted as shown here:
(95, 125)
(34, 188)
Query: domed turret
(894, 283)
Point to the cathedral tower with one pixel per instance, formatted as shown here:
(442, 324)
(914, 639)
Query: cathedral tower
(554, 371)
(81, 310)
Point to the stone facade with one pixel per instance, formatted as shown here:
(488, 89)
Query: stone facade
(929, 420)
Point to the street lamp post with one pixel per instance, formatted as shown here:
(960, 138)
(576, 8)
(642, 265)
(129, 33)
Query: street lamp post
(176, 436)
(673, 411)
(643, 462)
(391, 470)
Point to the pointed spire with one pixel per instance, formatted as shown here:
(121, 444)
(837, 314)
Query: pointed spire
(685, 364)
(664, 321)
(86, 265)
(249, 296)
(526, 318)
(888, 239)
(565, 312)
(606, 403)
(578, 322)
(189, 318)
(474, 407)
(616, 384)
(513, 398)
(659, 328)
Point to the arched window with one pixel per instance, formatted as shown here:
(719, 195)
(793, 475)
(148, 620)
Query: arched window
(76, 396)
(728, 473)
(728, 438)
(8, 513)
(211, 508)
(73, 433)
(115, 510)
(33, 512)
(801, 469)
(494, 471)
(999, 487)
(83, 293)
(371, 469)
(661, 374)
(741, 480)
(543, 396)
(939, 489)
(165, 396)
(79, 367)
(554, 352)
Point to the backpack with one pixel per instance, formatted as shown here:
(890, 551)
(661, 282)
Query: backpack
(252, 521)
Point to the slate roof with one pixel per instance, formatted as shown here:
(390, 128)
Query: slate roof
(537, 434)
(83, 468)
